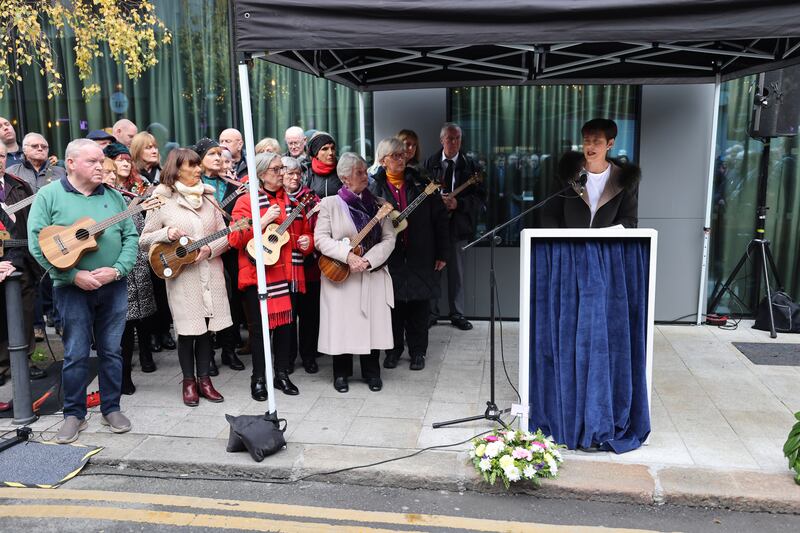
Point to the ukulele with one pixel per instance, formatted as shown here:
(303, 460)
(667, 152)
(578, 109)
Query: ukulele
(7, 242)
(63, 246)
(275, 236)
(338, 271)
(472, 180)
(22, 204)
(168, 259)
(399, 219)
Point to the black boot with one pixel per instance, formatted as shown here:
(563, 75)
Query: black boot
(155, 343)
(212, 367)
(167, 341)
(146, 359)
(284, 384)
(392, 356)
(230, 358)
(258, 389)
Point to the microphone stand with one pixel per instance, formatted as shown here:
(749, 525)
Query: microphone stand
(492, 411)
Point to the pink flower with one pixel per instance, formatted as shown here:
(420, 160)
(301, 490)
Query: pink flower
(521, 453)
(539, 444)
(490, 438)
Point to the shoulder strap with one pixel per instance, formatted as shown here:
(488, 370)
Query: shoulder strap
(210, 198)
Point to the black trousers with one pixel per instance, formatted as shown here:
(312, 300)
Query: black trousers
(142, 327)
(370, 365)
(194, 350)
(308, 320)
(281, 338)
(410, 320)
(230, 337)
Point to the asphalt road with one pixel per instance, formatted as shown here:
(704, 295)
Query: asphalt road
(95, 501)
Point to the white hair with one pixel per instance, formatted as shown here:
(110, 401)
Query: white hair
(263, 160)
(389, 146)
(294, 130)
(347, 162)
(291, 163)
(77, 146)
(449, 126)
(30, 135)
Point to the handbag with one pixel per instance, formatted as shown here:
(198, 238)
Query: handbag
(785, 312)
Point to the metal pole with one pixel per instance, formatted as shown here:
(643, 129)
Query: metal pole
(249, 143)
(701, 298)
(18, 352)
(362, 124)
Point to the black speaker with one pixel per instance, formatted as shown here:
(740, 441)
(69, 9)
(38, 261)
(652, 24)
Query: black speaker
(776, 112)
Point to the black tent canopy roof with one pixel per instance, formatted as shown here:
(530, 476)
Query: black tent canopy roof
(378, 45)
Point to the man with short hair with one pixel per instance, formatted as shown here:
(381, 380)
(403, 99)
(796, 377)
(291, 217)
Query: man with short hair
(451, 167)
(92, 296)
(296, 139)
(124, 130)
(9, 137)
(36, 168)
(231, 139)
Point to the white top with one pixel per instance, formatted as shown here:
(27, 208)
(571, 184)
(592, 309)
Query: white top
(595, 183)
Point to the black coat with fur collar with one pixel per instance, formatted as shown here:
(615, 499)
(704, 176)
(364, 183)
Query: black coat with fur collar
(618, 204)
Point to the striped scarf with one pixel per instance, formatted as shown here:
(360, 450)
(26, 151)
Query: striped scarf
(279, 302)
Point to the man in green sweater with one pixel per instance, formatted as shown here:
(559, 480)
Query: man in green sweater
(91, 297)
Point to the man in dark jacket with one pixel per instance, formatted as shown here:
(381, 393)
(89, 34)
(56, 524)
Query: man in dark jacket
(419, 254)
(36, 168)
(451, 167)
(610, 195)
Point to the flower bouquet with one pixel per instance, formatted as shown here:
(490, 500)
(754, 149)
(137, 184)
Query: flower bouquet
(515, 455)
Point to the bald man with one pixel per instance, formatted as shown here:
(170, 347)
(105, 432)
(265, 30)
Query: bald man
(232, 140)
(124, 130)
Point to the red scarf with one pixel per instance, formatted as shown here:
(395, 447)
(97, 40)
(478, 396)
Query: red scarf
(279, 303)
(320, 168)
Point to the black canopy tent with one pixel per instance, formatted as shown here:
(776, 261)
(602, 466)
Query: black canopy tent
(377, 45)
(372, 45)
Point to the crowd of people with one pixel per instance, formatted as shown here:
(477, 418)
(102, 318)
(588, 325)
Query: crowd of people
(392, 230)
(112, 296)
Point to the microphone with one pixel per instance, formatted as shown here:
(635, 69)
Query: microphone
(580, 181)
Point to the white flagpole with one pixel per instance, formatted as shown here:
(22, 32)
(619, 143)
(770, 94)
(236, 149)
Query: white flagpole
(250, 147)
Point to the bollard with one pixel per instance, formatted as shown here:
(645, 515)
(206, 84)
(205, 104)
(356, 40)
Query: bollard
(18, 352)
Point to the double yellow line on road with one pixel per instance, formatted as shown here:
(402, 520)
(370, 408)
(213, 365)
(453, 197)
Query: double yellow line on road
(366, 520)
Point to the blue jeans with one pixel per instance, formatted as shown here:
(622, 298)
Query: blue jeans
(98, 314)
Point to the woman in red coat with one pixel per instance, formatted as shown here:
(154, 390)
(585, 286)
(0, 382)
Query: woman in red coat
(282, 279)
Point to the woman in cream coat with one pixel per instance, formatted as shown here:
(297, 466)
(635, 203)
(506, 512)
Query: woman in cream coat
(197, 298)
(355, 315)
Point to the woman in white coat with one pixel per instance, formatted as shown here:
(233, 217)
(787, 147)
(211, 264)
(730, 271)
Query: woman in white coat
(197, 298)
(355, 315)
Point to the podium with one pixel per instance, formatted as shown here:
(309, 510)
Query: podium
(586, 335)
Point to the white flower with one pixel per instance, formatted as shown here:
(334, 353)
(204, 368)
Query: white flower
(512, 473)
(485, 465)
(529, 472)
(506, 462)
(509, 435)
(551, 464)
(494, 448)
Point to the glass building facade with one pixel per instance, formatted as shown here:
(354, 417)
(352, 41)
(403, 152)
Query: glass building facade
(517, 132)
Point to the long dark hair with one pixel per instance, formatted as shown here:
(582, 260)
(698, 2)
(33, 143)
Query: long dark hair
(175, 161)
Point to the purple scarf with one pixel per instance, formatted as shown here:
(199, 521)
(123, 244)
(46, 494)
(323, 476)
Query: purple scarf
(362, 210)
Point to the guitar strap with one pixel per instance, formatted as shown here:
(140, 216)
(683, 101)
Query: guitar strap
(210, 198)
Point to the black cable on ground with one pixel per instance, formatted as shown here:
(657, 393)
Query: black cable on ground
(502, 351)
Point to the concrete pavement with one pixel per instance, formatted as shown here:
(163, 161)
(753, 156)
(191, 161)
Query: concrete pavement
(718, 425)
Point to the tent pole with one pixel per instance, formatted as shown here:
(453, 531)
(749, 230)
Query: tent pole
(362, 124)
(249, 143)
(712, 157)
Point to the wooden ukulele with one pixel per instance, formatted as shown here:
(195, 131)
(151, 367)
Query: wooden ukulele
(168, 259)
(63, 246)
(399, 219)
(275, 236)
(338, 271)
(472, 180)
(7, 242)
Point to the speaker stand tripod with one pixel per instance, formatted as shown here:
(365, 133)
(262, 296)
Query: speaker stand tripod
(758, 249)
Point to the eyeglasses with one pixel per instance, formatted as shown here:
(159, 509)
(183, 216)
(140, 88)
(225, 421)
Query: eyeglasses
(294, 143)
(396, 157)
(277, 170)
(38, 146)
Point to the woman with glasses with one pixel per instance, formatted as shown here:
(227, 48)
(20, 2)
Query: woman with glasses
(118, 173)
(307, 308)
(420, 252)
(275, 205)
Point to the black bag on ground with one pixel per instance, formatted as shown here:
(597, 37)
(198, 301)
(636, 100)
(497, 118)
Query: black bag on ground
(261, 435)
(785, 312)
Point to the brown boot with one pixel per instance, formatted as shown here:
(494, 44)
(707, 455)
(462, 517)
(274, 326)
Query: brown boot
(190, 396)
(207, 389)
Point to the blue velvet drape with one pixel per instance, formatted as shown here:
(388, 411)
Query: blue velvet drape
(588, 342)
